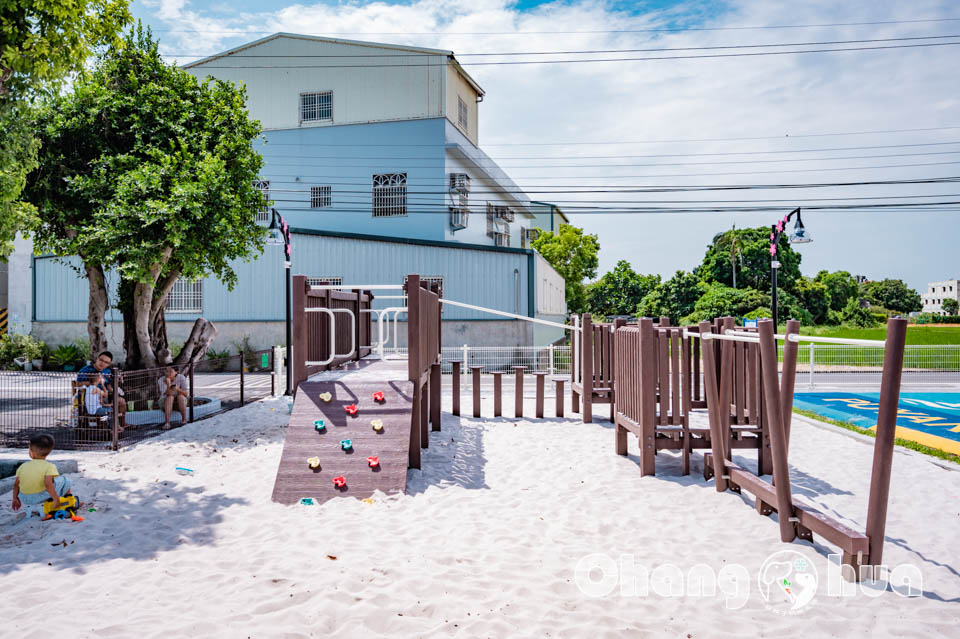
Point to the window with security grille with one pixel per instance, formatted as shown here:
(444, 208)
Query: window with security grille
(462, 113)
(389, 194)
(316, 107)
(263, 215)
(328, 281)
(431, 280)
(186, 296)
(321, 197)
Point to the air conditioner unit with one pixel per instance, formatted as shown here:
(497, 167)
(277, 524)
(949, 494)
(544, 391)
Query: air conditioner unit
(505, 214)
(459, 218)
(460, 182)
(501, 239)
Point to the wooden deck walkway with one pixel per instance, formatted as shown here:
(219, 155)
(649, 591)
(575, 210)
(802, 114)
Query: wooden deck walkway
(354, 384)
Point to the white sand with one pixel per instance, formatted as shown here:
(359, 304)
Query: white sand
(483, 545)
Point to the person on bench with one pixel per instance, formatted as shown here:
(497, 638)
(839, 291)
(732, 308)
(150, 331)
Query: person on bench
(173, 390)
(101, 366)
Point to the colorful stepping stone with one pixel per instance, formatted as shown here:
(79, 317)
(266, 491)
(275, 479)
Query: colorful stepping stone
(346, 444)
(373, 461)
(339, 481)
(377, 425)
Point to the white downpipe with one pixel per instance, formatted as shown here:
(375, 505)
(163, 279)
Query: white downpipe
(535, 320)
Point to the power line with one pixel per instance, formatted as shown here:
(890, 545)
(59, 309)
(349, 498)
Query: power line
(647, 30)
(563, 52)
(575, 61)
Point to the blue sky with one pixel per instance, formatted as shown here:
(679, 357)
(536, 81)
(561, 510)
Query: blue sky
(659, 106)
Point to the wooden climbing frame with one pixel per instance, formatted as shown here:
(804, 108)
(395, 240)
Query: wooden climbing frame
(592, 377)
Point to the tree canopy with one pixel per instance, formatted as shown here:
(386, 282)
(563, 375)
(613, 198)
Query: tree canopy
(619, 291)
(573, 254)
(148, 171)
(674, 298)
(754, 248)
(41, 42)
(893, 295)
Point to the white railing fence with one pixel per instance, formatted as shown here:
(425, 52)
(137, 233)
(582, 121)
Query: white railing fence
(817, 364)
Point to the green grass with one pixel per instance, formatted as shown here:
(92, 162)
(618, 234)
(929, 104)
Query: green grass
(906, 443)
(867, 356)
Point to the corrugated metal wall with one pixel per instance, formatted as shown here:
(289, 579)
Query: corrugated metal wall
(493, 279)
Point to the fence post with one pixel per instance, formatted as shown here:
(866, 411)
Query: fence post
(810, 382)
(551, 360)
(298, 358)
(115, 411)
(243, 365)
(456, 388)
(466, 362)
(191, 393)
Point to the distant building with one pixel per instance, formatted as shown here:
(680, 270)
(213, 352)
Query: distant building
(372, 156)
(937, 292)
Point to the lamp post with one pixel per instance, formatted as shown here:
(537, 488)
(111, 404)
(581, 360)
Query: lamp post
(799, 236)
(280, 235)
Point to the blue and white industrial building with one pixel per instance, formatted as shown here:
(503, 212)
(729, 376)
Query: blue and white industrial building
(371, 153)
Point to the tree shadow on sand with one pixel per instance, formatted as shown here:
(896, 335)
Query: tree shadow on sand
(162, 517)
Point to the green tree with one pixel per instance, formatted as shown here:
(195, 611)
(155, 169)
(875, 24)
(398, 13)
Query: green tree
(574, 256)
(618, 292)
(718, 300)
(813, 297)
(892, 294)
(841, 286)
(41, 41)
(855, 315)
(148, 171)
(950, 306)
(754, 248)
(674, 298)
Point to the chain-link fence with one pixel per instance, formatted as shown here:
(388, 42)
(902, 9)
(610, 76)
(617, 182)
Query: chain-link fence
(141, 405)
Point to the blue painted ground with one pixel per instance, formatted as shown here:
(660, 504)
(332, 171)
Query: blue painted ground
(928, 418)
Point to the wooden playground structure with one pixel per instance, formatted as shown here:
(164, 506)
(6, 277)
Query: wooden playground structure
(653, 375)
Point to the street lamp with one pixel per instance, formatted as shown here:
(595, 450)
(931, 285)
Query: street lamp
(280, 236)
(799, 236)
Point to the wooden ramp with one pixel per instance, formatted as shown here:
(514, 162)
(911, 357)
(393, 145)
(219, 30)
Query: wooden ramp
(296, 480)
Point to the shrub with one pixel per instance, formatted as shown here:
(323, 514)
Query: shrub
(67, 354)
(17, 345)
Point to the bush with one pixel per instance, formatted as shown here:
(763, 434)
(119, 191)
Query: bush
(719, 300)
(856, 316)
(17, 345)
(67, 354)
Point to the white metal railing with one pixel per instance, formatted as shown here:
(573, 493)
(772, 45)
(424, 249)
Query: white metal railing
(333, 332)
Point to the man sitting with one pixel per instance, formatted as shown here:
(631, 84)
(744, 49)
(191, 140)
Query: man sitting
(173, 390)
(101, 366)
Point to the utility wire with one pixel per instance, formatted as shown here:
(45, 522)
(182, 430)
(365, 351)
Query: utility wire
(560, 52)
(576, 61)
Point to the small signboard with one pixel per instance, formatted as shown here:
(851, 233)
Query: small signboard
(749, 323)
(265, 360)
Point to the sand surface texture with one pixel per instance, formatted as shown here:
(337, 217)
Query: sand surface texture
(484, 544)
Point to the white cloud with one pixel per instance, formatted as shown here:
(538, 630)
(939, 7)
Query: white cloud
(674, 99)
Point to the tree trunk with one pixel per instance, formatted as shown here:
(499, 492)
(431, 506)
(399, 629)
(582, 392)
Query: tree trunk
(97, 310)
(202, 335)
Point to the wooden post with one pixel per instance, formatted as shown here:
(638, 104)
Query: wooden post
(414, 335)
(476, 389)
(497, 393)
(356, 324)
(456, 388)
(726, 382)
(886, 432)
(243, 365)
(115, 412)
(648, 396)
(717, 441)
(425, 416)
(771, 392)
(541, 383)
(191, 393)
(788, 380)
(415, 413)
(518, 391)
(435, 396)
(576, 366)
(586, 365)
(559, 384)
(624, 391)
(298, 310)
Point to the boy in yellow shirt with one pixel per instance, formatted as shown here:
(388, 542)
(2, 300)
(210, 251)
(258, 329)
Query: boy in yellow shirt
(38, 479)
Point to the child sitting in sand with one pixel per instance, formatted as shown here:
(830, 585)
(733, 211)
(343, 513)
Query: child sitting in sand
(38, 479)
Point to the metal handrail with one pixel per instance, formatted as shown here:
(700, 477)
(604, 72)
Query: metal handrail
(483, 309)
(795, 337)
(333, 334)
